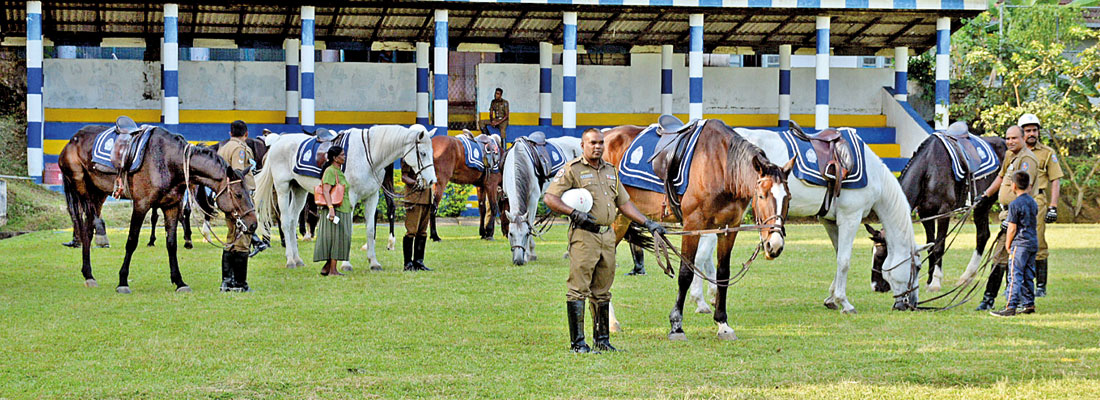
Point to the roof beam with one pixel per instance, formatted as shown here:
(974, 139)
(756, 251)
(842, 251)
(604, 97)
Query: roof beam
(778, 28)
(607, 24)
(903, 31)
(733, 31)
(515, 24)
(332, 23)
(865, 27)
(286, 22)
(470, 25)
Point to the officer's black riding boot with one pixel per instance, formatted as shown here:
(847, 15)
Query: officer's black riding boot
(418, 253)
(227, 270)
(575, 310)
(601, 328)
(407, 251)
(1040, 278)
(240, 271)
(639, 260)
(992, 286)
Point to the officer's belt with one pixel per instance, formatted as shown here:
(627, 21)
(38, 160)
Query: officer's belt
(602, 229)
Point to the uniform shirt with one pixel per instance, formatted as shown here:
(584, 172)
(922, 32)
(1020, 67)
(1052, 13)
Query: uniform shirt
(412, 196)
(498, 109)
(1049, 171)
(602, 181)
(240, 157)
(1022, 212)
(1023, 160)
(332, 176)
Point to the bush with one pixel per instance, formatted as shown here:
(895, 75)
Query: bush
(454, 200)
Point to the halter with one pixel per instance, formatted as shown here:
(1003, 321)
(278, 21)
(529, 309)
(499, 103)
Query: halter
(764, 222)
(238, 220)
(419, 161)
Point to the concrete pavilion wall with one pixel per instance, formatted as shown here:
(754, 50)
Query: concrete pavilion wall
(80, 92)
(616, 95)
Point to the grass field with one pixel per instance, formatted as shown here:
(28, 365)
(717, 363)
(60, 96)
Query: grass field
(478, 327)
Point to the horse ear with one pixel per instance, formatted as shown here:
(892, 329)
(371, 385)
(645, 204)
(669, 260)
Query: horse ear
(922, 248)
(788, 167)
(870, 230)
(430, 133)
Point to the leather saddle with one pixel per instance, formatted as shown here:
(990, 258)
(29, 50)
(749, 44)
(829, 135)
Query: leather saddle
(668, 155)
(325, 139)
(123, 152)
(491, 146)
(959, 133)
(834, 160)
(537, 142)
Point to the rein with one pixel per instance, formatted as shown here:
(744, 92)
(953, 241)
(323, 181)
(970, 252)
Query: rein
(193, 203)
(662, 247)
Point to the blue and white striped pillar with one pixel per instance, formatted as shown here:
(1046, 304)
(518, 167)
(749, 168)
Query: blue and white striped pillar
(170, 59)
(901, 73)
(308, 107)
(34, 90)
(422, 97)
(162, 80)
(546, 59)
(784, 85)
(292, 47)
(821, 110)
(440, 79)
(666, 79)
(695, 68)
(943, 69)
(569, 74)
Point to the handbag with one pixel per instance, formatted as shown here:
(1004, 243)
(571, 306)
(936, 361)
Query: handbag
(336, 195)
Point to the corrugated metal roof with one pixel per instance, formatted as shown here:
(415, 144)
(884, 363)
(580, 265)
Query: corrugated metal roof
(858, 32)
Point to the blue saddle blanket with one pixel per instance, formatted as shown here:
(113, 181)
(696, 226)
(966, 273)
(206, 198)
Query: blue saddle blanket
(806, 167)
(475, 153)
(557, 158)
(635, 169)
(987, 162)
(305, 160)
(105, 143)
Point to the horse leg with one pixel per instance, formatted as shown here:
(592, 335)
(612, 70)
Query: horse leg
(831, 229)
(370, 208)
(689, 246)
(492, 206)
(288, 201)
(185, 216)
(100, 229)
(171, 217)
(981, 226)
(935, 255)
(704, 259)
(84, 235)
(846, 236)
(391, 215)
(725, 246)
(432, 233)
(153, 230)
(136, 220)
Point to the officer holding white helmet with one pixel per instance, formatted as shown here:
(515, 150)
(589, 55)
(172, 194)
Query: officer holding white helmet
(1047, 188)
(595, 184)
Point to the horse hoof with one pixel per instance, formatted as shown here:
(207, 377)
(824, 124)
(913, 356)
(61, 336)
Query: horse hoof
(934, 288)
(188, 245)
(123, 289)
(727, 336)
(488, 238)
(346, 268)
(436, 239)
(831, 305)
(615, 327)
(677, 337)
(183, 289)
(299, 263)
(91, 283)
(291, 265)
(365, 247)
(151, 244)
(850, 311)
(703, 310)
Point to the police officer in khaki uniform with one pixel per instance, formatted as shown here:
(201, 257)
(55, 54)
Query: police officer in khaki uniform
(418, 211)
(1048, 188)
(591, 241)
(498, 115)
(1017, 158)
(235, 255)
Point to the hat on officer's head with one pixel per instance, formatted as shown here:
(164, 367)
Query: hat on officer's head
(1028, 119)
(578, 199)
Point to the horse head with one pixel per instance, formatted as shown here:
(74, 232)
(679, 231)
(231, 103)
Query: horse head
(232, 197)
(770, 202)
(421, 156)
(878, 258)
(519, 228)
(889, 264)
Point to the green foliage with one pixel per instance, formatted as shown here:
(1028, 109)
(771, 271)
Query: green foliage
(454, 200)
(13, 145)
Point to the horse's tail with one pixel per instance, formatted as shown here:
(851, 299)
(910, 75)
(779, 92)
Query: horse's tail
(264, 199)
(636, 235)
(80, 208)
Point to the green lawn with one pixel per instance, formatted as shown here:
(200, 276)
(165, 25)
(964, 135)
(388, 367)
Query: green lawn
(479, 327)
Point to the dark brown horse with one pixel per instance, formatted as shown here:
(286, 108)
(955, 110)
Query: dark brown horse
(450, 166)
(158, 183)
(728, 174)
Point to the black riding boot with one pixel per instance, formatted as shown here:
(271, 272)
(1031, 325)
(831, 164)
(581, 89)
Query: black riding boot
(639, 261)
(240, 272)
(258, 245)
(227, 271)
(407, 251)
(1040, 278)
(575, 311)
(992, 286)
(418, 253)
(600, 326)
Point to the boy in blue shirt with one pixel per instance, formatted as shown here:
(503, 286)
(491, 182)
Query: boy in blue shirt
(1022, 243)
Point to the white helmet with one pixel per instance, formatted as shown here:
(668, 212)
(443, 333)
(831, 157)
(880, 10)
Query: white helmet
(579, 199)
(1028, 119)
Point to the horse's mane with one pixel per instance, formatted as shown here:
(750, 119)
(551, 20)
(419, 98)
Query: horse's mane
(739, 164)
(923, 144)
(523, 178)
(206, 151)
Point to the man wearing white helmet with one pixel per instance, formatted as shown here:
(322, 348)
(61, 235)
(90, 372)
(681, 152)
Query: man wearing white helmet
(591, 241)
(1047, 188)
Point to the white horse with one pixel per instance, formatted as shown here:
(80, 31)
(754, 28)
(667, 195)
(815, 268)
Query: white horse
(522, 189)
(369, 152)
(883, 195)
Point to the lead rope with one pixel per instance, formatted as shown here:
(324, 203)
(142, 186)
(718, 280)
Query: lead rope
(206, 230)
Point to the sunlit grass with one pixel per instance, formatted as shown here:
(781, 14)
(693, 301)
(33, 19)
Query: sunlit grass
(480, 327)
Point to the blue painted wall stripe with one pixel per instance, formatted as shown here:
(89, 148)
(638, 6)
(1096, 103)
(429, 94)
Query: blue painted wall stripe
(307, 85)
(171, 83)
(822, 41)
(545, 122)
(422, 121)
(695, 90)
(569, 88)
(822, 91)
(292, 121)
(440, 86)
(784, 81)
(292, 77)
(666, 81)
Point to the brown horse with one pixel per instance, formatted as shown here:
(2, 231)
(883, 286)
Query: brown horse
(450, 166)
(728, 174)
(159, 183)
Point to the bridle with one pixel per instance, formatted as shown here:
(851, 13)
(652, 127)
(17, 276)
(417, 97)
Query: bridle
(766, 221)
(419, 161)
(225, 183)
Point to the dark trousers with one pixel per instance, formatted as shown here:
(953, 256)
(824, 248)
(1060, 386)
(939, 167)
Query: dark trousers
(1021, 282)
